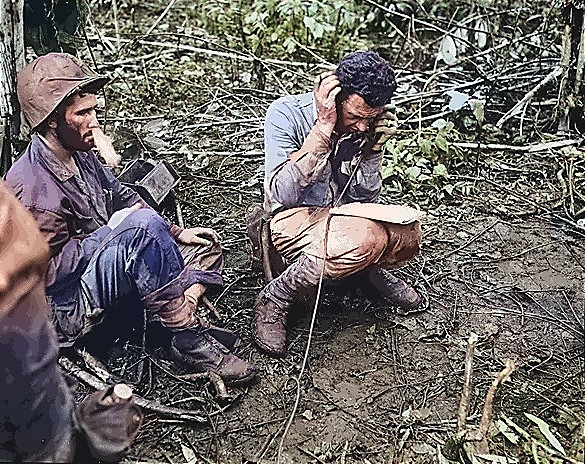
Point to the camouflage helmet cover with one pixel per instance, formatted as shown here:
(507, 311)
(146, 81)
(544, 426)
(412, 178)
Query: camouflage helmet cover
(43, 84)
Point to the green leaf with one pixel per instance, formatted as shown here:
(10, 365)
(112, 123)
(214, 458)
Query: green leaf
(309, 22)
(426, 146)
(477, 106)
(412, 172)
(440, 170)
(545, 430)
(441, 142)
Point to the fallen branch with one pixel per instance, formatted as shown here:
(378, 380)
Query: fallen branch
(557, 71)
(459, 446)
(518, 148)
(161, 17)
(209, 305)
(466, 391)
(215, 380)
(96, 366)
(206, 51)
(161, 410)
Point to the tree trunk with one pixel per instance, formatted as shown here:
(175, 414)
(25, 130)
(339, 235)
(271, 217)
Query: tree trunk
(572, 95)
(11, 60)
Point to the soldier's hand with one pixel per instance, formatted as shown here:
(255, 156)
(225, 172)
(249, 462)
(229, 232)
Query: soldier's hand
(385, 126)
(105, 148)
(326, 89)
(198, 236)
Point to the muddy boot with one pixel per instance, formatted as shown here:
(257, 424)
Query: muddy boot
(275, 300)
(393, 289)
(224, 336)
(195, 344)
(196, 348)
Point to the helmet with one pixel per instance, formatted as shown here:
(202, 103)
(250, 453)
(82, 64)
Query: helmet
(50, 79)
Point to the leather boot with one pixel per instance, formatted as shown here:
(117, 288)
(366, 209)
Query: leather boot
(197, 344)
(393, 289)
(275, 300)
(196, 348)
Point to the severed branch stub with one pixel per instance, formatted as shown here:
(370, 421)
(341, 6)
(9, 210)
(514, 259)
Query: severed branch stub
(467, 376)
(467, 441)
(480, 434)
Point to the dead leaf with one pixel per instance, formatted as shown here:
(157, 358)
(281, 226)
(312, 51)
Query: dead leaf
(422, 448)
(545, 430)
(156, 127)
(481, 28)
(189, 454)
(448, 50)
(507, 431)
(155, 143)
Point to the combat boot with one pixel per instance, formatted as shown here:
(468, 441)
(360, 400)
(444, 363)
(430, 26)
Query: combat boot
(275, 300)
(196, 348)
(396, 291)
(198, 345)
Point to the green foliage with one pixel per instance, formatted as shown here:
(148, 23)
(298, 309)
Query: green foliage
(422, 162)
(289, 27)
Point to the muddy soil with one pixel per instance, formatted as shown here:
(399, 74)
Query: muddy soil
(498, 259)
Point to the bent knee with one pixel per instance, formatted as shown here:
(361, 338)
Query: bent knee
(403, 243)
(149, 219)
(359, 239)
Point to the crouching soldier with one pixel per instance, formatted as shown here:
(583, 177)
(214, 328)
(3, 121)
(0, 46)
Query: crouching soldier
(38, 420)
(323, 155)
(106, 245)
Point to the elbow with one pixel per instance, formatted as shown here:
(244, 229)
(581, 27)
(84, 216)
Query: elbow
(288, 199)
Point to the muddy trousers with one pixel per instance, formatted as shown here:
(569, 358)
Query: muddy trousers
(137, 259)
(353, 243)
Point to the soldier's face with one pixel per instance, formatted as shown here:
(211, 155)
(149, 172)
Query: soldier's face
(355, 115)
(79, 118)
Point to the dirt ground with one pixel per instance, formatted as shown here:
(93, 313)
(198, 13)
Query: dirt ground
(499, 258)
(378, 387)
(381, 388)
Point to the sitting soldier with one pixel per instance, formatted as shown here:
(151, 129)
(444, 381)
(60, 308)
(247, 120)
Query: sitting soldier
(106, 245)
(323, 155)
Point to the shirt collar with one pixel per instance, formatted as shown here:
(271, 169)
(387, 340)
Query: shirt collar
(53, 164)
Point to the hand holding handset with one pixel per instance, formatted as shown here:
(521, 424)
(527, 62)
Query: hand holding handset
(383, 127)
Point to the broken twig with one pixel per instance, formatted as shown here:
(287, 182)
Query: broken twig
(159, 409)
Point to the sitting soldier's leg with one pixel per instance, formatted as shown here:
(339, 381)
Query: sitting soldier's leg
(276, 299)
(208, 258)
(141, 258)
(352, 244)
(399, 243)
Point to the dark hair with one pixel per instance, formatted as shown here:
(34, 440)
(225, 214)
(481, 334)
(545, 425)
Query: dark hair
(368, 75)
